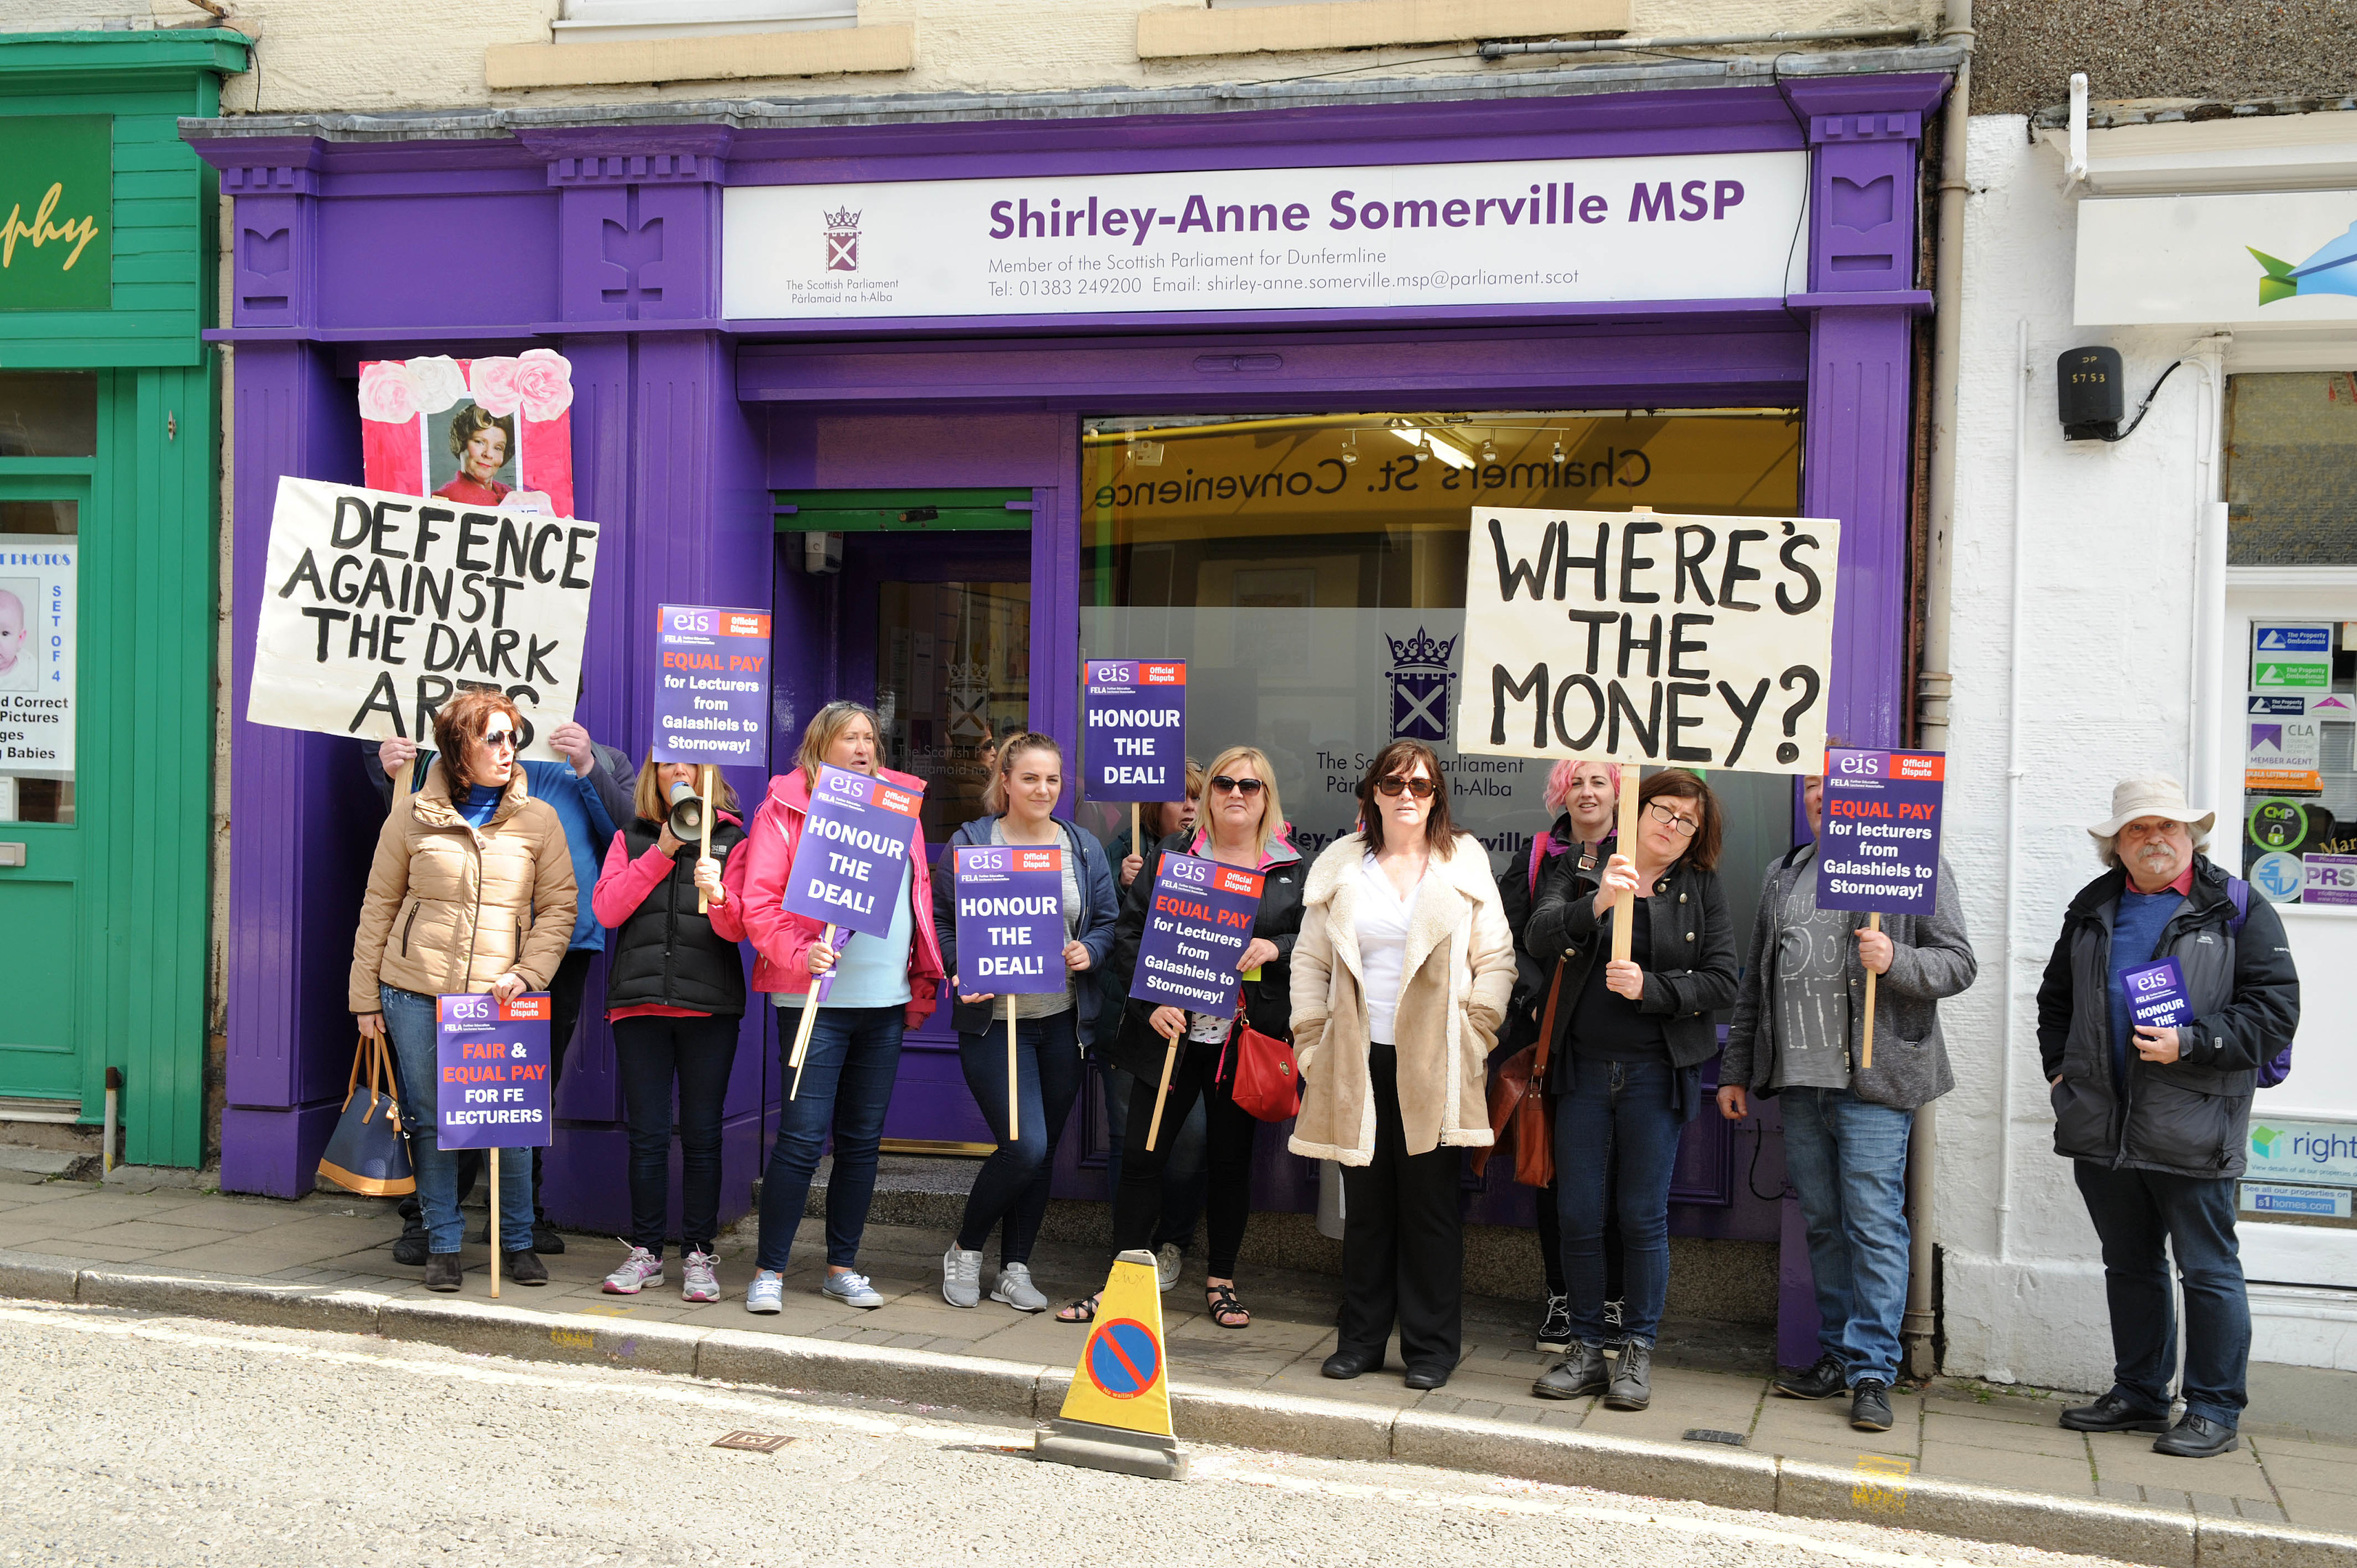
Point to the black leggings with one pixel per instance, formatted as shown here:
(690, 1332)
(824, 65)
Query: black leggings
(1228, 1153)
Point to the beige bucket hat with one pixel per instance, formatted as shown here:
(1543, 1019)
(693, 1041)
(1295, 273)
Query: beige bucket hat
(2157, 795)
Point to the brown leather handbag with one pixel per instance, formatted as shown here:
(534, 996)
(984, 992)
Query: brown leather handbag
(1518, 1107)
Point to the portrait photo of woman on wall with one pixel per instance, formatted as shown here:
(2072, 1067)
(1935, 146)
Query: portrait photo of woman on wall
(477, 465)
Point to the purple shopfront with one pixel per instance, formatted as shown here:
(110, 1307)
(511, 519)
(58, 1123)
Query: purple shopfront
(766, 409)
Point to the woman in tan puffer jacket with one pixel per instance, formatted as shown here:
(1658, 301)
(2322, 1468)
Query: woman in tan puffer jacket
(471, 890)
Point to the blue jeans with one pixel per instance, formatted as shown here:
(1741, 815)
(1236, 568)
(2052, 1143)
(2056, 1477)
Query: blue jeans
(409, 1022)
(847, 1073)
(1011, 1189)
(1848, 1160)
(1616, 1118)
(2134, 1212)
(1183, 1177)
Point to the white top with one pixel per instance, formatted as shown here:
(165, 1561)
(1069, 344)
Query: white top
(1382, 918)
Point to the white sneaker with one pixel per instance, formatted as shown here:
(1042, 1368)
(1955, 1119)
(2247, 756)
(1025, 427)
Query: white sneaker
(960, 1277)
(1015, 1289)
(852, 1290)
(699, 1277)
(1168, 1263)
(766, 1294)
(639, 1270)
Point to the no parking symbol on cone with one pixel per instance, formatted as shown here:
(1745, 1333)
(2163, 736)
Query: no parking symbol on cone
(1117, 1415)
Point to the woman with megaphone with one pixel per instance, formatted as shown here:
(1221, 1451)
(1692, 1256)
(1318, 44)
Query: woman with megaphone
(676, 997)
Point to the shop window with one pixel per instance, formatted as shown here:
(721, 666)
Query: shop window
(1312, 571)
(952, 675)
(601, 21)
(49, 413)
(38, 551)
(2291, 469)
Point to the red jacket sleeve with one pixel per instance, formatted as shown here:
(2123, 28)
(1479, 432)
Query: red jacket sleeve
(762, 866)
(623, 884)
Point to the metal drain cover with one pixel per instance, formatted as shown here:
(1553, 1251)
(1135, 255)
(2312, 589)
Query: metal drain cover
(754, 1442)
(1705, 1434)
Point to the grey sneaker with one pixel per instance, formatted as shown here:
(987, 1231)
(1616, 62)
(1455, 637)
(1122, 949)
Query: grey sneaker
(960, 1277)
(1015, 1289)
(700, 1277)
(766, 1294)
(639, 1270)
(852, 1290)
(1168, 1263)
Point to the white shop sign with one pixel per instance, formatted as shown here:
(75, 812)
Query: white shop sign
(1698, 226)
(2280, 258)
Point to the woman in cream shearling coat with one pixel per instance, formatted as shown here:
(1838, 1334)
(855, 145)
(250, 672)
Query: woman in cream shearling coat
(1401, 974)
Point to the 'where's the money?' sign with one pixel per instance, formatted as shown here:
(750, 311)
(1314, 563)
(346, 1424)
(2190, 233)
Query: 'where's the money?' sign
(1628, 637)
(378, 607)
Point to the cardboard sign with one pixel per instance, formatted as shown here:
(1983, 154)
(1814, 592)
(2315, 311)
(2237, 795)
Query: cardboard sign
(1134, 729)
(1195, 929)
(495, 432)
(492, 1087)
(1627, 636)
(854, 852)
(2156, 994)
(2291, 656)
(1878, 852)
(2284, 744)
(712, 685)
(1010, 919)
(377, 608)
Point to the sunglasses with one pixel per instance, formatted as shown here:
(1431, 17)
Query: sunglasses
(498, 738)
(1227, 786)
(1395, 786)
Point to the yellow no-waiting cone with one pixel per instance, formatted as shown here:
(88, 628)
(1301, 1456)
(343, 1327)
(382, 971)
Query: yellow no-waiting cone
(1117, 1415)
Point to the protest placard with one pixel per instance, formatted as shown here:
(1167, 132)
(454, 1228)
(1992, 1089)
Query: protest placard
(1011, 932)
(2155, 993)
(712, 687)
(849, 867)
(1134, 729)
(1879, 849)
(1696, 641)
(491, 1085)
(377, 608)
(1197, 927)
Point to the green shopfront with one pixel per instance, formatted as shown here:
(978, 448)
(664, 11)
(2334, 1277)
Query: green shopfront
(109, 443)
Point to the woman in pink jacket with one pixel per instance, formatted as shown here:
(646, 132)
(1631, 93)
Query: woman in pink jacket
(880, 987)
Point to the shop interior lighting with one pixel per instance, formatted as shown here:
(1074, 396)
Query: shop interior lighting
(1488, 450)
(1558, 449)
(1146, 454)
(1349, 448)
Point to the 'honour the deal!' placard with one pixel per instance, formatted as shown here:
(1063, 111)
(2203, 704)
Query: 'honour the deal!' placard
(1195, 929)
(854, 852)
(1010, 919)
(1134, 729)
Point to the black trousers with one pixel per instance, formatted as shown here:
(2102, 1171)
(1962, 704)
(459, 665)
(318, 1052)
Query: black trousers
(1228, 1131)
(1402, 1238)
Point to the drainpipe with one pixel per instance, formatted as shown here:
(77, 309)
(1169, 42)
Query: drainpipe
(1921, 1323)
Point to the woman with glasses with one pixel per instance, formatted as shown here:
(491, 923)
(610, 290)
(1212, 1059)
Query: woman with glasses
(1399, 979)
(1241, 824)
(1632, 1037)
(472, 891)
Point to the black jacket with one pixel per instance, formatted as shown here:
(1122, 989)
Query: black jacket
(1692, 974)
(2190, 1117)
(1268, 1001)
(666, 952)
(1516, 893)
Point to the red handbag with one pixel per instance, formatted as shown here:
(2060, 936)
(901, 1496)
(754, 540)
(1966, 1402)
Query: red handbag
(1267, 1082)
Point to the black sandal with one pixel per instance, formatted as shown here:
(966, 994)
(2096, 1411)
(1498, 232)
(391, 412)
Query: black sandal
(1224, 1306)
(1081, 1311)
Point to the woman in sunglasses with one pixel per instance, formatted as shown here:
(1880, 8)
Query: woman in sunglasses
(1241, 824)
(1400, 980)
(1632, 1037)
(471, 890)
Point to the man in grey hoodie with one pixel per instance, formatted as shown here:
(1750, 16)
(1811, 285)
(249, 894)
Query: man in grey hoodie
(1799, 1022)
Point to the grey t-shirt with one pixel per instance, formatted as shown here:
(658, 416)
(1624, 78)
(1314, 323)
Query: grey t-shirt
(1811, 991)
(1048, 1003)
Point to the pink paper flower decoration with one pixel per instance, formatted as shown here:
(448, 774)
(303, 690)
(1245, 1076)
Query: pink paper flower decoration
(493, 382)
(437, 381)
(387, 394)
(544, 377)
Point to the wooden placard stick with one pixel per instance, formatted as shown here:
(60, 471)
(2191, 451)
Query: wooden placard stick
(1624, 907)
(1014, 1129)
(809, 1014)
(495, 1225)
(1136, 844)
(1169, 1060)
(703, 852)
(1865, 1056)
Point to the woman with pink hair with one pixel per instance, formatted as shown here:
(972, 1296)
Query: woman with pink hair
(1582, 795)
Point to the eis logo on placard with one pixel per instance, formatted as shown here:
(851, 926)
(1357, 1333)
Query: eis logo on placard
(843, 241)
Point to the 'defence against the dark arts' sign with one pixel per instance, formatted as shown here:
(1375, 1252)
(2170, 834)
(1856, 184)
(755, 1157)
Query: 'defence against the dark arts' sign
(1668, 639)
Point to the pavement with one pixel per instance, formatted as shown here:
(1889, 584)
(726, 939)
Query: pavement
(1975, 1462)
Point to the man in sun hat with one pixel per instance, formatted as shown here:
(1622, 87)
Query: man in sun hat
(2155, 1119)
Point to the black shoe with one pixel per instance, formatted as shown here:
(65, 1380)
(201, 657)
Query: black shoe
(1633, 1378)
(1869, 1405)
(1577, 1377)
(1422, 1378)
(2111, 1413)
(545, 1238)
(525, 1268)
(1820, 1381)
(444, 1272)
(1554, 1327)
(411, 1249)
(2197, 1438)
(1352, 1363)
